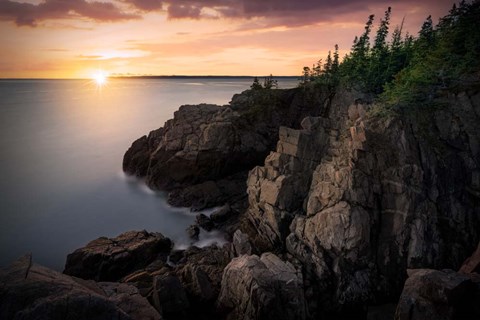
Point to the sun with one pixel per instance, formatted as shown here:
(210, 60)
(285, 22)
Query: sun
(100, 78)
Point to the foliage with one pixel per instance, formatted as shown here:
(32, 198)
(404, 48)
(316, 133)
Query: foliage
(402, 70)
(268, 83)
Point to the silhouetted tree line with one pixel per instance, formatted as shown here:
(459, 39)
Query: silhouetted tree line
(268, 83)
(403, 69)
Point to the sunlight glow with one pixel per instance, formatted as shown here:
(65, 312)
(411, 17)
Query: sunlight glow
(100, 77)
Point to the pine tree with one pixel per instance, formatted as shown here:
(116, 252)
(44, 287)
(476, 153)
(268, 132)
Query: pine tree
(382, 32)
(256, 84)
(327, 67)
(336, 61)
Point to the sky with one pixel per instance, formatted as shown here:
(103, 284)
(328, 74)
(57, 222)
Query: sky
(76, 38)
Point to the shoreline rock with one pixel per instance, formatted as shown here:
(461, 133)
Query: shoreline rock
(31, 291)
(107, 259)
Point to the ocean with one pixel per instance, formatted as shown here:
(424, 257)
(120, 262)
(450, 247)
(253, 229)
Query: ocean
(62, 144)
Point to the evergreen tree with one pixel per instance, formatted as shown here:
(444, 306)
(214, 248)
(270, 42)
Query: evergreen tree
(256, 84)
(336, 61)
(382, 32)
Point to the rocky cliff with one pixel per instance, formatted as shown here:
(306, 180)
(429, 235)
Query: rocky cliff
(359, 199)
(203, 154)
(350, 198)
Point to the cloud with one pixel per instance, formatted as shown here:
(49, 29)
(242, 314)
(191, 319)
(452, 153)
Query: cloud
(27, 14)
(146, 5)
(290, 13)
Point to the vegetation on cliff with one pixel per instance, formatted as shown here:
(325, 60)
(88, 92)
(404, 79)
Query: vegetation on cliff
(403, 70)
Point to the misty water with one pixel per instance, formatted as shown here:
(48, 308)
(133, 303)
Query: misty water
(61, 149)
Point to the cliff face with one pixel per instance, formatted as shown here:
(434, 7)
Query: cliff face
(358, 199)
(208, 147)
(350, 199)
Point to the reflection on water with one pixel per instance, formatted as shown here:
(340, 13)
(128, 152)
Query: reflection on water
(62, 143)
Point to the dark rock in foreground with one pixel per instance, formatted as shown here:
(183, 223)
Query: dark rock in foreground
(262, 288)
(32, 292)
(439, 295)
(107, 259)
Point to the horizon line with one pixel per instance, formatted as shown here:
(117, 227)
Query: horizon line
(152, 77)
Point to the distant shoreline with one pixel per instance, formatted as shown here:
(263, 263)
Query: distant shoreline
(160, 77)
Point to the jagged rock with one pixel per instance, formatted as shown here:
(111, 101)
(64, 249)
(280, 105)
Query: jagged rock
(204, 222)
(201, 272)
(241, 244)
(169, 297)
(472, 264)
(261, 288)
(187, 286)
(193, 231)
(30, 291)
(222, 214)
(211, 144)
(359, 199)
(210, 193)
(442, 295)
(353, 198)
(107, 259)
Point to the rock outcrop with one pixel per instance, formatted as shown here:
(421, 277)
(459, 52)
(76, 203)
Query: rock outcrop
(262, 288)
(203, 153)
(107, 259)
(352, 199)
(185, 287)
(30, 291)
(442, 295)
(359, 199)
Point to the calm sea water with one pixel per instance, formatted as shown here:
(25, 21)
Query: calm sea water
(61, 149)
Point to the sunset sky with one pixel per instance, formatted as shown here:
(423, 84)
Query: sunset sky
(73, 38)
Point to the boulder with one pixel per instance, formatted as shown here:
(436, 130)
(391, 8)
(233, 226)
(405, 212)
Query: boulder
(241, 243)
(193, 231)
(204, 222)
(107, 259)
(169, 297)
(187, 286)
(435, 294)
(30, 291)
(222, 214)
(261, 288)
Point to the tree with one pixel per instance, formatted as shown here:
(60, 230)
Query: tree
(256, 84)
(269, 83)
(336, 61)
(306, 76)
(382, 32)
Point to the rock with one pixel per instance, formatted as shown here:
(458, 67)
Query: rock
(241, 244)
(222, 214)
(210, 144)
(358, 200)
(472, 264)
(261, 288)
(204, 222)
(434, 294)
(352, 199)
(193, 231)
(188, 285)
(30, 291)
(169, 297)
(107, 259)
(176, 256)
